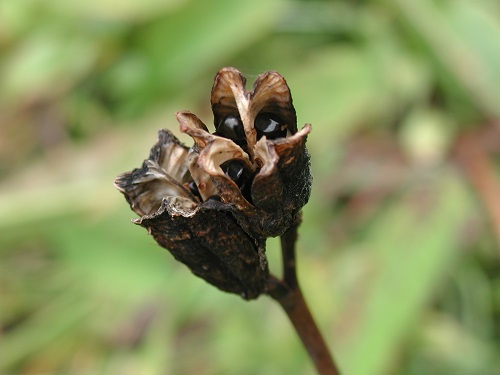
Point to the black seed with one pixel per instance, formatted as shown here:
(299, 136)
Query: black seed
(194, 189)
(269, 126)
(231, 127)
(214, 198)
(236, 171)
(246, 190)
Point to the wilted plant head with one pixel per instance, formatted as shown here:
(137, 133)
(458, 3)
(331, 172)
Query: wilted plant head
(213, 205)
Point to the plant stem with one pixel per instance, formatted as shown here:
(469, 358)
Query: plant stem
(288, 294)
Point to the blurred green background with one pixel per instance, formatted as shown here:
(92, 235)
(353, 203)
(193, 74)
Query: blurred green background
(398, 252)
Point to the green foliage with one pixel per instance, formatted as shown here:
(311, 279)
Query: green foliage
(395, 254)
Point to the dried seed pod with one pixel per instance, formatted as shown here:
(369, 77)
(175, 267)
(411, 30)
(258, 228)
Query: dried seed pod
(213, 205)
(282, 182)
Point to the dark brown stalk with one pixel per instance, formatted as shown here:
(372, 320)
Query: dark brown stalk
(287, 292)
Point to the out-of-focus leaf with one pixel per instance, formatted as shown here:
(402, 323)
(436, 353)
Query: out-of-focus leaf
(455, 350)
(411, 249)
(46, 64)
(42, 329)
(172, 50)
(331, 93)
(463, 37)
(345, 89)
(123, 10)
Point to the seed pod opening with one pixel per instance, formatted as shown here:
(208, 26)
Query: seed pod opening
(214, 204)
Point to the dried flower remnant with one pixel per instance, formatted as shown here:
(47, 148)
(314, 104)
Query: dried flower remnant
(213, 205)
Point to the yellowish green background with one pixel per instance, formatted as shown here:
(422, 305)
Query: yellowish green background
(397, 254)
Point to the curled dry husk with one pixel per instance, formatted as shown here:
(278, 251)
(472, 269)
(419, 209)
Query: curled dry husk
(222, 240)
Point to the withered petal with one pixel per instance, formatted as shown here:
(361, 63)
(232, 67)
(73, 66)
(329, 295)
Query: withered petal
(161, 175)
(285, 178)
(229, 97)
(271, 94)
(170, 154)
(267, 187)
(192, 125)
(284, 161)
(229, 84)
(291, 148)
(205, 161)
(295, 169)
